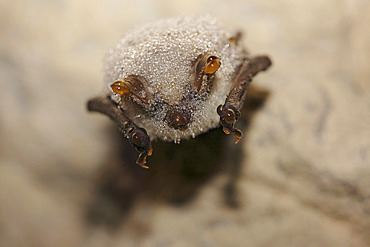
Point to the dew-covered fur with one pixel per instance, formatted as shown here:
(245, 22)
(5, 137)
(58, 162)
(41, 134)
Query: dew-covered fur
(164, 53)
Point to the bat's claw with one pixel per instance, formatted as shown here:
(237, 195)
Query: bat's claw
(141, 160)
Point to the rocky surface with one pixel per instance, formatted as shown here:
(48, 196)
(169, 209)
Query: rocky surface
(301, 176)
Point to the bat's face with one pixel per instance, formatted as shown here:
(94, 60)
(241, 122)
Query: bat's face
(176, 79)
(170, 76)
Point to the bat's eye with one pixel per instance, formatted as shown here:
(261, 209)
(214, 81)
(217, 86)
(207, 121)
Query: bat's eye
(118, 88)
(213, 63)
(229, 116)
(136, 138)
(140, 139)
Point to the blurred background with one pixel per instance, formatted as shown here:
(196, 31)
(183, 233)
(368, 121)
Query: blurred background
(300, 177)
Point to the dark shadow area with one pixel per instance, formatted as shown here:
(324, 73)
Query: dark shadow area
(177, 171)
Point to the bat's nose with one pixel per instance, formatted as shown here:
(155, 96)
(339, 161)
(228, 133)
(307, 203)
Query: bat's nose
(178, 118)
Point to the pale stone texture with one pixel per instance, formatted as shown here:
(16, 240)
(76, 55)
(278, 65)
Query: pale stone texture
(305, 179)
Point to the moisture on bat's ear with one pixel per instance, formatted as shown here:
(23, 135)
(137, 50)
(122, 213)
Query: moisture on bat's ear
(212, 65)
(204, 69)
(135, 86)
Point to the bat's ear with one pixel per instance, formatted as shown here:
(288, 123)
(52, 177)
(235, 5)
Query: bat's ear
(204, 69)
(133, 85)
